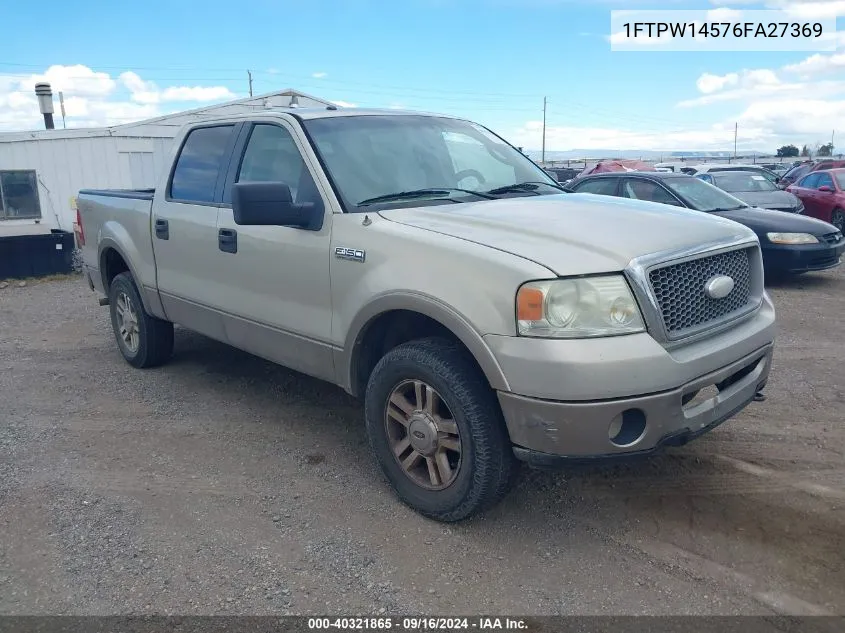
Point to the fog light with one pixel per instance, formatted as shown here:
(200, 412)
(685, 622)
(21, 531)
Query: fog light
(627, 428)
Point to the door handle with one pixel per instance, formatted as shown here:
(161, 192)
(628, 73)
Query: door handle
(227, 240)
(162, 229)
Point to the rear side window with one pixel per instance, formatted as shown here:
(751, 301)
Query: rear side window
(600, 186)
(202, 158)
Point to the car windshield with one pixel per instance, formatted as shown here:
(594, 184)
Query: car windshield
(840, 179)
(372, 158)
(702, 196)
(738, 181)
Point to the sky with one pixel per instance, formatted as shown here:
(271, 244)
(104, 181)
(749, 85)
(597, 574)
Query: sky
(492, 61)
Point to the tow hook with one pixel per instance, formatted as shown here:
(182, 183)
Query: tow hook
(759, 397)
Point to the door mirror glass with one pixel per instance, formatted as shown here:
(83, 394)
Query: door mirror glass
(271, 204)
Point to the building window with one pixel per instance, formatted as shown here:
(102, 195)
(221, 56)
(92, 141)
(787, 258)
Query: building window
(19, 195)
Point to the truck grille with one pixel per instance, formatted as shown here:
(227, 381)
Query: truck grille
(684, 305)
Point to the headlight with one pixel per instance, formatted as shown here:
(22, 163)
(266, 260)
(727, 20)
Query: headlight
(792, 238)
(578, 308)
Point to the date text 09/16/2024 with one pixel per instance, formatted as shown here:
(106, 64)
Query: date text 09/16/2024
(418, 624)
(724, 29)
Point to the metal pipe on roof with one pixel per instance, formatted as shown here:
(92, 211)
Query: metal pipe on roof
(45, 103)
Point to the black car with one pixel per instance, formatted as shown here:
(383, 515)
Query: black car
(791, 243)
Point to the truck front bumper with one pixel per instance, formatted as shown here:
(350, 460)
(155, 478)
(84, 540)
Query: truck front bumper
(605, 398)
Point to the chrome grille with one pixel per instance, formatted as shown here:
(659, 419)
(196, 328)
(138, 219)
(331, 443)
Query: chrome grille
(683, 303)
(832, 238)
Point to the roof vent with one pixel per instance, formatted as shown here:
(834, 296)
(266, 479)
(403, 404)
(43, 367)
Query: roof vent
(45, 103)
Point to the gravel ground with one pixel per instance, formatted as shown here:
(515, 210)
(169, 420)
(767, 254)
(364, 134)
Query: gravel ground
(222, 484)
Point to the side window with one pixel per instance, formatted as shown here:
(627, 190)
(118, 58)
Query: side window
(19, 195)
(272, 156)
(809, 181)
(200, 162)
(825, 179)
(706, 178)
(600, 186)
(647, 190)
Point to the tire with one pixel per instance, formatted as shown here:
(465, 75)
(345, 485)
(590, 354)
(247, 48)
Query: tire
(837, 219)
(151, 339)
(482, 470)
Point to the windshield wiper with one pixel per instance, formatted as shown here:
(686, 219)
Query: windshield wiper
(420, 193)
(524, 186)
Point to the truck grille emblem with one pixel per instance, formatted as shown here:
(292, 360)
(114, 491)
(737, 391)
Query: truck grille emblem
(719, 287)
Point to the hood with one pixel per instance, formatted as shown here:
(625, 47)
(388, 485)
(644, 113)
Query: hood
(768, 199)
(763, 220)
(573, 234)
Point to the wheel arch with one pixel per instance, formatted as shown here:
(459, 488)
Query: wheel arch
(358, 357)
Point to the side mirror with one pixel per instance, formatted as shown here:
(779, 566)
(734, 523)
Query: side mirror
(271, 204)
(826, 189)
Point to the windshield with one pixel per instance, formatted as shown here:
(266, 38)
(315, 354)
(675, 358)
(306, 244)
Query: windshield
(702, 196)
(741, 181)
(368, 157)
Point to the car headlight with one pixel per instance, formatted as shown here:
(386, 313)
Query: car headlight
(578, 308)
(792, 238)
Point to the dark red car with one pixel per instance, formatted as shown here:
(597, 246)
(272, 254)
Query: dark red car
(823, 195)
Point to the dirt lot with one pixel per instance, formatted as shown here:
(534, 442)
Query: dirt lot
(224, 484)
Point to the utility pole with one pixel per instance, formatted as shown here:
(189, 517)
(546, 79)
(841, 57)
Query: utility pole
(62, 104)
(249, 74)
(831, 139)
(543, 159)
(736, 127)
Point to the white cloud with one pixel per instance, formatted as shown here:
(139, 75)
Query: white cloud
(723, 14)
(320, 75)
(96, 98)
(708, 83)
(807, 9)
(818, 64)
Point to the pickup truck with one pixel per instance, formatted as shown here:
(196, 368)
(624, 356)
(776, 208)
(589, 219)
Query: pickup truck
(484, 317)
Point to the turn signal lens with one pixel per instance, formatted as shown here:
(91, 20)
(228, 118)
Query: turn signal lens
(529, 304)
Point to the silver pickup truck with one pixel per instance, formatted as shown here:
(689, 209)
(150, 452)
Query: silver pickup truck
(424, 265)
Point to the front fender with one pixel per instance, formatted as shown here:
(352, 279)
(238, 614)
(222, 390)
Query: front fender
(345, 360)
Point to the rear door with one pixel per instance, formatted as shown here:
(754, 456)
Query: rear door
(184, 231)
(825, 201)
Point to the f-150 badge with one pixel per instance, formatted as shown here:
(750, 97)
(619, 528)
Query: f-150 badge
(354, 254)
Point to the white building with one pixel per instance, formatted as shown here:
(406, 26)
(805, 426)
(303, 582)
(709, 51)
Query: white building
(42, 171)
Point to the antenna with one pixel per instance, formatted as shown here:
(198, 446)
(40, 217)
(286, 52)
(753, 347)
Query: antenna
(543, 159)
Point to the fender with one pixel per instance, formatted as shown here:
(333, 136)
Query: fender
(108, 240)
(346, 358)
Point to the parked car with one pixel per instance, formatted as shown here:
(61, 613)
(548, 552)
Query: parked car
(754, 189)
(794, 174)
(828, 163)
(823, 195)
(762, 171)
(482, 315)
(790, 243)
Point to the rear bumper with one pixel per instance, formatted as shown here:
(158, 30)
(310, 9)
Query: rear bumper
(801, 258)
(546, 432)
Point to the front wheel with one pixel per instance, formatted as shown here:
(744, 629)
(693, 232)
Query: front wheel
(437, 431)
(143, 340)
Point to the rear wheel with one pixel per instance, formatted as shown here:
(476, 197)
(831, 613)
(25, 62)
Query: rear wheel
(437, 431)
(144, 340)
(837, 219)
